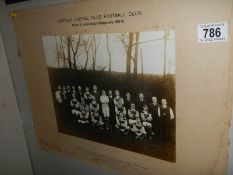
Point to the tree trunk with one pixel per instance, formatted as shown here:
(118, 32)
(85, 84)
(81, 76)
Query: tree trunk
(141, 63)
(136, 55)
(69, 51)
(63, 52)
(75, 50)
(109, 55)
(87, 54)
(58, 53)
(94, 48)
(129, 51)
(75, 64)
(165, 55)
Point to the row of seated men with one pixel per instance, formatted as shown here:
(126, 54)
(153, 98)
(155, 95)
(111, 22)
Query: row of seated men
(111, 111)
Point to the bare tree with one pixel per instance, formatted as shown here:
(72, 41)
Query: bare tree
(67, 50)
(87, 42)
(75, 48)
(61, 51)
(166, 33)
(129, 53)
(127, 42)
(135, 60)
(58, 54)
(94, 48)
(68, 41)
(141, 61)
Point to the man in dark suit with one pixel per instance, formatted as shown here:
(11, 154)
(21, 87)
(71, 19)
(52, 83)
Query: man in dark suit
(79, 93)
(95, 93)
(153, 108)
(166, 115)
(127, 100)
(111, 110)
(140, 102)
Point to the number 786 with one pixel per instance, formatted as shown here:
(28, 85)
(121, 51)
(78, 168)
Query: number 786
(212, 32)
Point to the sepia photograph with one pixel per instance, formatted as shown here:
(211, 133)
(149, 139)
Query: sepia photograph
(116, 89)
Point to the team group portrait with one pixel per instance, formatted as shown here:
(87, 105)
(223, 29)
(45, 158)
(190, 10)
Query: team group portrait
(117, 89)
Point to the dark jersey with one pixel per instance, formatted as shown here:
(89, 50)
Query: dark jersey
(165, 113)
(140, 104)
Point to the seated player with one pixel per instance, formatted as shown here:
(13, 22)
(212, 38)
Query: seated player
(83, 114)
(146, 121)
(87, 96)
(94, 106)
(96, 119)
(122, 124)
(74, 103)
(83, 104)
(138, 129)
(132, 114)
(120, 108)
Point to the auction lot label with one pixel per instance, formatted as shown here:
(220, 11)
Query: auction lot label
(212, 32)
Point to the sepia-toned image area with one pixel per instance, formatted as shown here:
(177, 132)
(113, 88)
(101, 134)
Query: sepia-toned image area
(116, 89)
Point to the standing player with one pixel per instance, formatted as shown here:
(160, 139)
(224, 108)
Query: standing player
(73, 91)
(58, 94)
(118, 99)
(74, 103)
(95, 93)
(79, 93)
(127, 100)
(105, 108)
(64, 93)
(69, 93)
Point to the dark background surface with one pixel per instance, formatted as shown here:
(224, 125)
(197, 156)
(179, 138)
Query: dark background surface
(150, 85)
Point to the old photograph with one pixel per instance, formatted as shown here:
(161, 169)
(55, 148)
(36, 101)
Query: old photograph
(117, 89)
